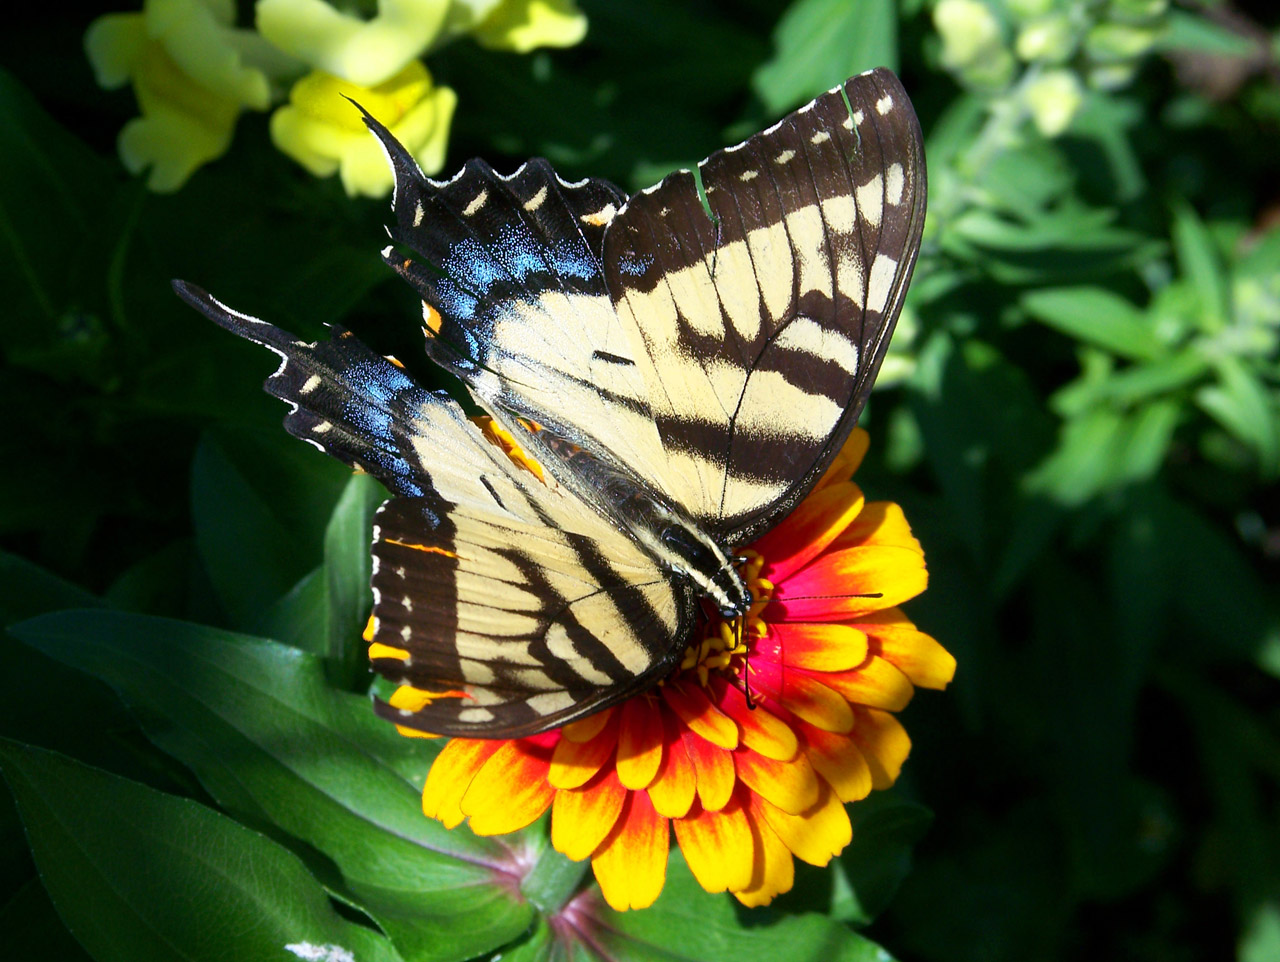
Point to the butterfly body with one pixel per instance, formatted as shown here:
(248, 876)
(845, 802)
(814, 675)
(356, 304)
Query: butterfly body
(692, 358)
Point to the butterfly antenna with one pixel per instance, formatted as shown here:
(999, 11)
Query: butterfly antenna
(739, 630)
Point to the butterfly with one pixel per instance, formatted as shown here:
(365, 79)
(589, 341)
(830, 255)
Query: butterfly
(680, 365)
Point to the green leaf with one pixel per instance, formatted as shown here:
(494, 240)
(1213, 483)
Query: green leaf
(208, 888)
(1096, 316)
(33, 931)
(1242, 405)
(274, 744)
(244, 546)
(1188, 31)
(885, 830)
(818, 43)
(1134, 384)
(26, 589)
(347, 567)
(1201, 263)
(687, 923)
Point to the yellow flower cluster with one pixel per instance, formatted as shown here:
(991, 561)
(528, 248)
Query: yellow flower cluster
(194, 71)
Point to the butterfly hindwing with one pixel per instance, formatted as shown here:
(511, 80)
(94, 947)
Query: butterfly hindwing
(536, 626)
(499, 590)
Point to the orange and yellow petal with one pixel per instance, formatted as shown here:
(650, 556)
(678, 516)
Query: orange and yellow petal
(573, 764)
(772, 872)
(815, 835)
(844, 585)
(676, 784)
(639, 743)
(792, 786)
(806, 697)
(762, 731)
(876, 683)
(880, 524)
(718, 846)
(451, 775)
(700, 716)
(631, 866)
(816, 522)
(582, 818)
(713, 771)
(884, 743)
(820, 647)
(839, 761)
(510, 791)
(915, 654)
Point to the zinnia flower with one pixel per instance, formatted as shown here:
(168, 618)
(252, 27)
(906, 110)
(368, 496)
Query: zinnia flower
(825, 656)
(321, 130)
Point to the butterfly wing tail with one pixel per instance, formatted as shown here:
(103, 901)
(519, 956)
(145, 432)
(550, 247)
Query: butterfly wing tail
(344, 398)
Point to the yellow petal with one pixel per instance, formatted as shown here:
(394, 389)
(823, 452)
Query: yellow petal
(631, 866)
(581, 819)
(585, 729)
(877, 684)
(524, 25)
(880, 523)
(574, 763)
(816, 835)
(915, 654)
(773, 871)
(365, 52)
(848, 459)
(791, 785)
(884, 743)
(451, 775)
(718, 846)
(510, 791)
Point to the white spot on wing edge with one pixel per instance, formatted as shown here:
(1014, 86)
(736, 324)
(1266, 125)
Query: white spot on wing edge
(783, 157)
(418, 214)
(475, 715)
(820, 137)
(884, 104)
(310, 384)
(747, 175)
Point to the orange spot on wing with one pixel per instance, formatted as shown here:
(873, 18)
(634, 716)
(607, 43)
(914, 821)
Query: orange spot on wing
(432, 317)
(430, 549)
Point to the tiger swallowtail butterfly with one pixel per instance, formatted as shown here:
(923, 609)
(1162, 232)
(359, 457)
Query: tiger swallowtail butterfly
(683, 364)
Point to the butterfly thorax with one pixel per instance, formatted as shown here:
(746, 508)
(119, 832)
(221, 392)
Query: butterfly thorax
(674, 540)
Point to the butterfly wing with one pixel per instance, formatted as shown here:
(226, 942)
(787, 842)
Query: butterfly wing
(764, 324)
(721, 354)
(503, 595)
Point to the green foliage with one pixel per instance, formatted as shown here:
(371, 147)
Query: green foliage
(1084, 430)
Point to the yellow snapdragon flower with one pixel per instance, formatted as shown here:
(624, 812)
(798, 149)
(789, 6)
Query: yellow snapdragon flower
(192, 72)
(365, 52)
(518, 25)
(325, 133)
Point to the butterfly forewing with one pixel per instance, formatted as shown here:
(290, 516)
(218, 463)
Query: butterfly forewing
(763, 323)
